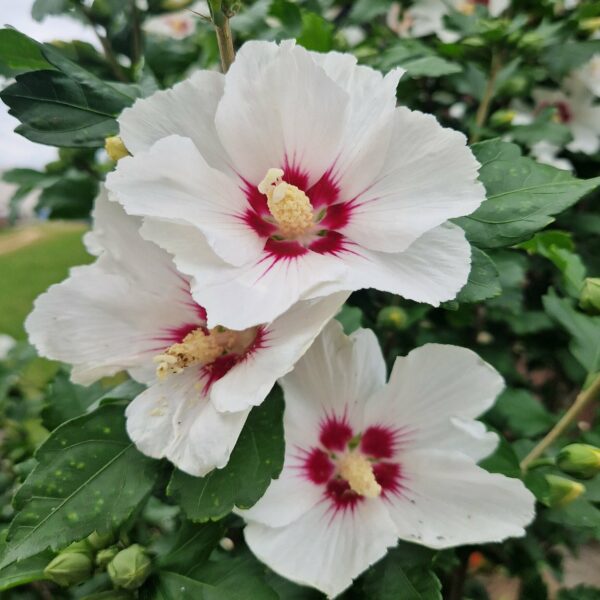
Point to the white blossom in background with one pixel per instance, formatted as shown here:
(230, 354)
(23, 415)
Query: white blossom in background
(177, 25)
(7, 343)
(576, 109)
(589, 75)
(131, 310)
(426, 17)
(547, 154)
(295, 176)
(368, 463)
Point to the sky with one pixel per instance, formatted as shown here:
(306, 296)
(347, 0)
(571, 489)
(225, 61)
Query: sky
(15, 150)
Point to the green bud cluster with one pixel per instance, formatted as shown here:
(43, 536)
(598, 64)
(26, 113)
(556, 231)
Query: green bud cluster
(72, 566)
(590, 295)
(130, 567)
(562, 491)
(579, 460)
(392, 317)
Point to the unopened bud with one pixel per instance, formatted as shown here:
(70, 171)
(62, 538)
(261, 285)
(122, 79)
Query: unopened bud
(130, 567)
(98, 541)
(579, 460)
(562, 491)
(227, 544)
(115, 148)
(590, 295)
(104, 556)
(502, 118)
(392, 317)
(591, 24)
(70, 566)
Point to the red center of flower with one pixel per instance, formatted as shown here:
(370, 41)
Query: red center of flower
(213, 351)
(563, 110)
(324, 464)
(330, 213)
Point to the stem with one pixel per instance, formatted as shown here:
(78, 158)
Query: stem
(109, 53)
(584, 398)
(486, 101)
(136, 27)
(225, 41)
(458, 579)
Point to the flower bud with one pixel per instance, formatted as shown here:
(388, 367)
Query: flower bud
(104, 556)
(71, 566)
(98, 541)
(392, 317)
(590, 295)
(502, 118)
(579, 460)
(115, 148)
(130, 567)
(174, 4)
(562, 491)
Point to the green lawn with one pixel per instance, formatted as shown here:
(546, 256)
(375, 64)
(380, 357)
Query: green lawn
(31, 259)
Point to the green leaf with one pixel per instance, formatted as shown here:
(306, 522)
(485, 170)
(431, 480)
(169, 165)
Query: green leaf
(580, 592)
(89, 478)
(191, 548)
(66, 400)
(564, 57)
(503, 460)
(365, 10)
(417, 58)
(483, 282)
(172, 586)
(350, 317)
(72, 107)
(579, 514)
(558, 246)
(43, 8)
(519, 411)
(256, 459)
(584, 330)
(404, 573)
(71, 197)
(20, 53)
(25, 571)
(522, 196)
(317, 33)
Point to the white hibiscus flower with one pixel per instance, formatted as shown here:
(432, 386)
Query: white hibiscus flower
(575, 108)
(131, 310)
(426, 17)
(589, 75)
(368, 463)
(295, 176)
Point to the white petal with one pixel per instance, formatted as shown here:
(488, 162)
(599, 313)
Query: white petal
(104, 321)
(188, 109)
(286, 340)
(429, 176)
(449, 501)
(432, 270)
(172, 181)
(279, 106)
(173, 419)
(368, 131)
(287, 498)
(268, 288)
(323, 550)
(433, 395)
(337, 375)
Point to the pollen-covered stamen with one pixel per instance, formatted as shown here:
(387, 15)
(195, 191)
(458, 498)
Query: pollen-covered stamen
(357, 470)
(289, 205)
(201, 347)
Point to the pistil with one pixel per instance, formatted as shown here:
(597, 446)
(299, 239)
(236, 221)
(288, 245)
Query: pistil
(288, 204)
(358, 472)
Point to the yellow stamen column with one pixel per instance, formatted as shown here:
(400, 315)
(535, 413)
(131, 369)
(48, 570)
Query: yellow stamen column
(358, 472)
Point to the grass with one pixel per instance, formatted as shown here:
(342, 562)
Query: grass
(31, 259)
